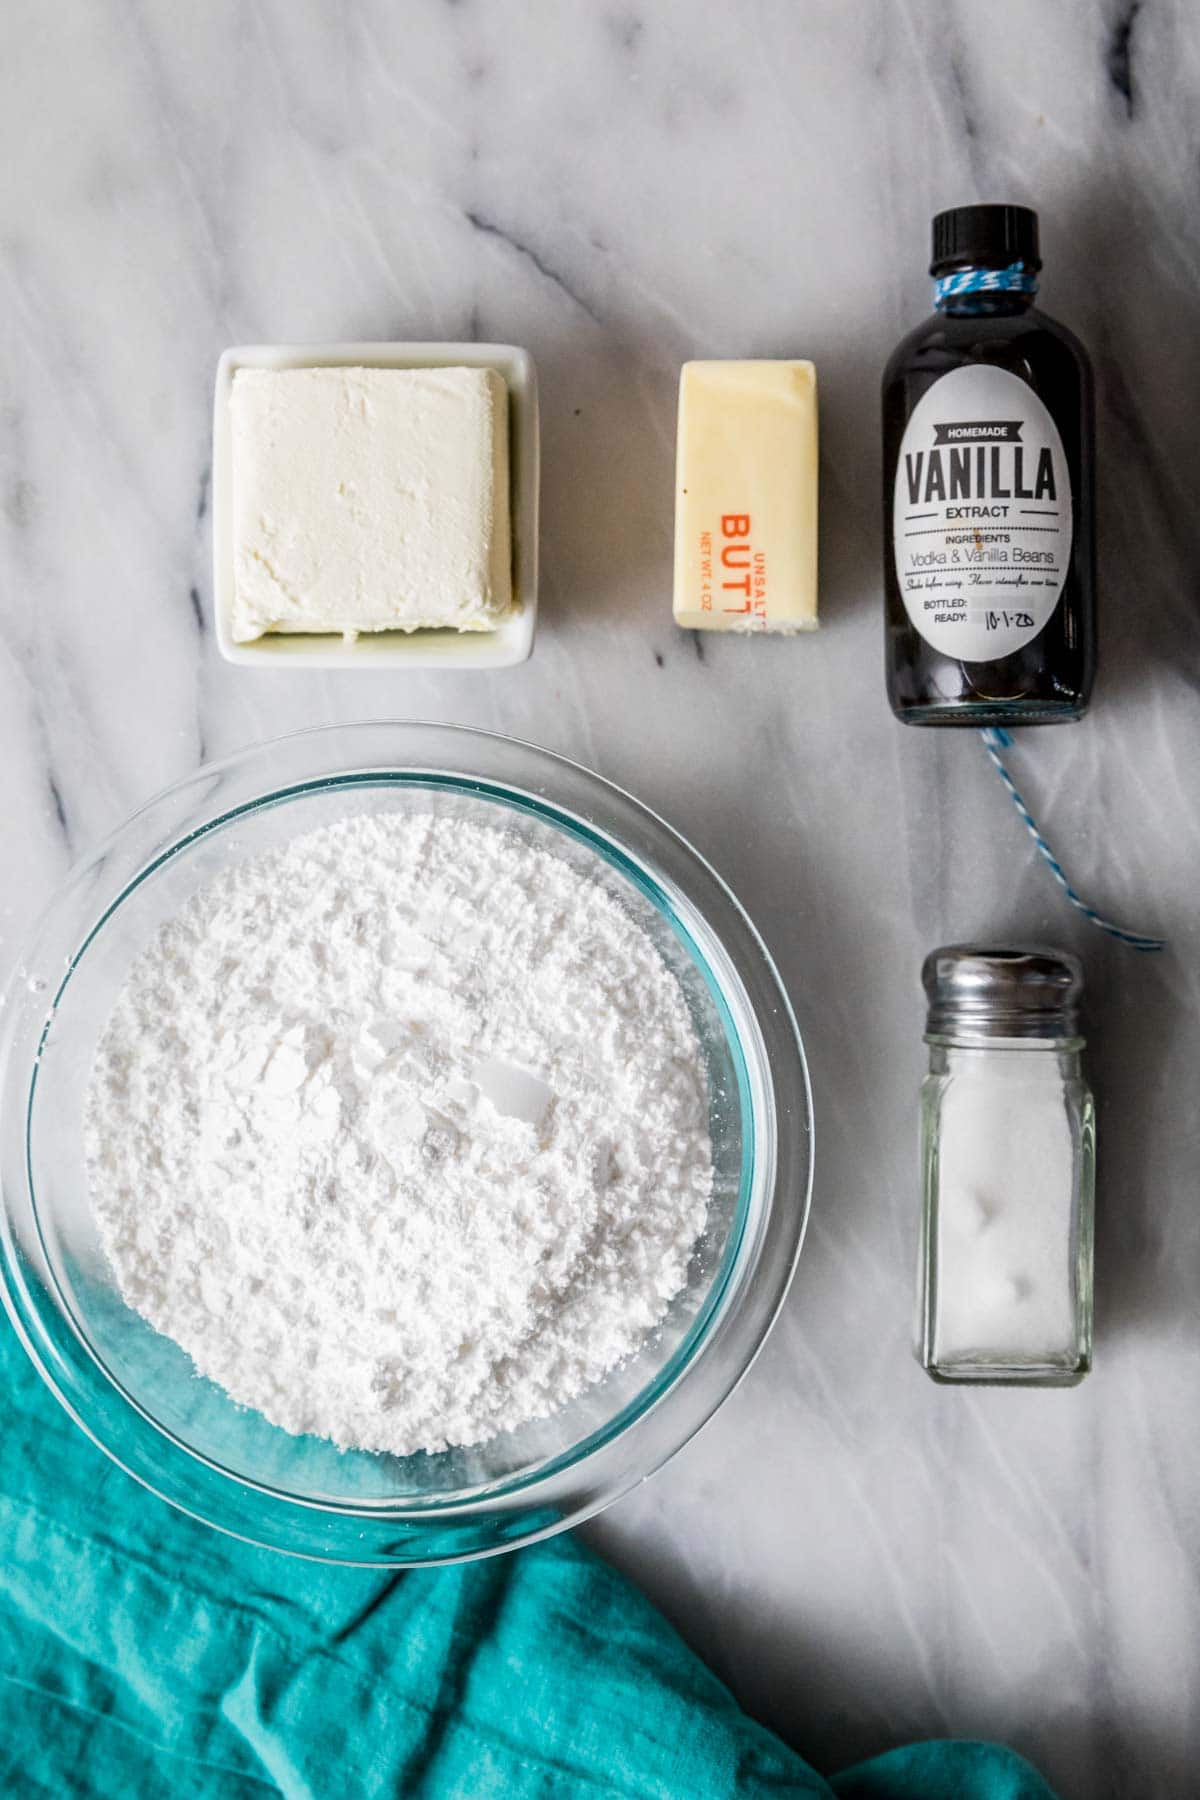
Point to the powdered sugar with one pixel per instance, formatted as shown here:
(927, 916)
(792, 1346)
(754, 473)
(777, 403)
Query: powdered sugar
(401, 1132)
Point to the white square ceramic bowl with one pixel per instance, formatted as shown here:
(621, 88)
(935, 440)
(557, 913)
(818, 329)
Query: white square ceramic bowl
(512, 640)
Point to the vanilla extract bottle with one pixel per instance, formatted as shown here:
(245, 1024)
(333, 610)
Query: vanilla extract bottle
(988, 491)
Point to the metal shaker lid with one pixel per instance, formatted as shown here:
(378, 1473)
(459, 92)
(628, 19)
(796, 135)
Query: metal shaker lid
(980, 991)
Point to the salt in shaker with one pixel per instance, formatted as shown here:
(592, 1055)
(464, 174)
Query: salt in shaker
(1007, 1160)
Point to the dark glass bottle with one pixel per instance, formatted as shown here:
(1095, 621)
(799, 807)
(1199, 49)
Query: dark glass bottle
(988, 492)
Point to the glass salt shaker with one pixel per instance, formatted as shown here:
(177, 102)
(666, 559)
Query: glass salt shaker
(1007, 1169)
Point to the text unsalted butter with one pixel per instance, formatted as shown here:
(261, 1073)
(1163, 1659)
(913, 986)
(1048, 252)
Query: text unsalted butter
(746, 497)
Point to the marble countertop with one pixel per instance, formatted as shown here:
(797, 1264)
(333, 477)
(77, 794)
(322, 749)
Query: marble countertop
(863, 1556)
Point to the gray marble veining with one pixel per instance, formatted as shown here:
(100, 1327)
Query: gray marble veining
(864, 1557)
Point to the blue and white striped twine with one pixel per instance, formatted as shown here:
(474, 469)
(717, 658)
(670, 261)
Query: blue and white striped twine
(1016, 279)
(996, 739)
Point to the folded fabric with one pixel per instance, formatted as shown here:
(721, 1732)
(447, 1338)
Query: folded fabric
(142, 1654)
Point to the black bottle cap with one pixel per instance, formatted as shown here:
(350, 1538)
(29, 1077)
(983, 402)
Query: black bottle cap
(984, 237)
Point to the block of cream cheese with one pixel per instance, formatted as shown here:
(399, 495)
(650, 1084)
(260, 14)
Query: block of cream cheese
(369, 500)
(746, 497)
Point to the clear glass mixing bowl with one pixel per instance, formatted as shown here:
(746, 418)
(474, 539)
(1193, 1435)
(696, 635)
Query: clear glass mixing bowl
(136, 1393)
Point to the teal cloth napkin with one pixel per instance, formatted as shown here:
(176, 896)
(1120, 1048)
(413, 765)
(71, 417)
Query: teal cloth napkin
(143, 1655)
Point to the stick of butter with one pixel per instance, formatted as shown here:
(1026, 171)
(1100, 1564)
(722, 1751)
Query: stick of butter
(746, 497)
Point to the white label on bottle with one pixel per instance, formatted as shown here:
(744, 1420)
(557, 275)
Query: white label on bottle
(981, 516)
